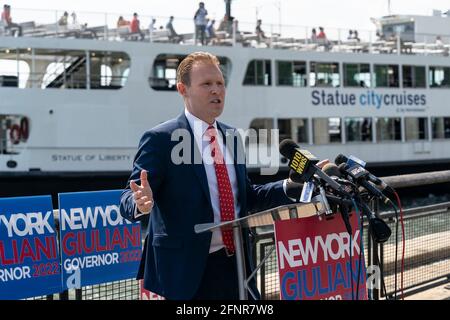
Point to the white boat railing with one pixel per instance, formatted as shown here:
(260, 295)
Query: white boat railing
(103, 26)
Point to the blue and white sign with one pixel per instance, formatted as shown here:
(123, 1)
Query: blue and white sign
(97, 244)
(29, 259)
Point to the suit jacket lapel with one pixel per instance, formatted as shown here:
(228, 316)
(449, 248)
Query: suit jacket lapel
(239, 168)
(196, 158)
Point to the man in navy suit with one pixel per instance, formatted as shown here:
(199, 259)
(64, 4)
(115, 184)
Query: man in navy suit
(177, 263)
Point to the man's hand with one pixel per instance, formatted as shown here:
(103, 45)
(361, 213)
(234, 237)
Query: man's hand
(320, 164)
(143, 195)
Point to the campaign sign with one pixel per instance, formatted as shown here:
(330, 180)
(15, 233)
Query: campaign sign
(97, 244)
(29, 259)
(148, 295)
(318, 260)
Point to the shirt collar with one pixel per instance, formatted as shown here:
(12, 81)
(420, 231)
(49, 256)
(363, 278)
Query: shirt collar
(198, 126)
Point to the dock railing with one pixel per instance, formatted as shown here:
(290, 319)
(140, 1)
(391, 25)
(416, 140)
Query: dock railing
(427, 246)
(426, 263)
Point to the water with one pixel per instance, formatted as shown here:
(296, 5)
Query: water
(424, 200)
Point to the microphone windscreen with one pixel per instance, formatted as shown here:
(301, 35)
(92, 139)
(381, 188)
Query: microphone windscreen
(342, 167)
(287, 148)
(332, 170)
(294, 176)
(294, 190)
(340, 159)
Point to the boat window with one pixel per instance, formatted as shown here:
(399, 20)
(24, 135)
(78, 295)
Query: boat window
(324, 74)
(416, 128)
(289, 128)
(258, 73)
(107, 70)
(300, 126)
(439, 77)
(14, 67)
(358, 129)
(386, 76)
(59, 69)
(62, 69)
(327, 130)
(164, 71)
(388, 129)
(260, 131)
(441, 127)
(293, 128)
(291, 73)
(405, 30)
(285, 129)
(357, 75)
(74, 69)
(414, 77)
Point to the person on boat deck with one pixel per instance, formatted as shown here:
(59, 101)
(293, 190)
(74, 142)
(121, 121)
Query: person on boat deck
(7, 20)
(135, 26)
(152, 25)
(225, 25)
(63, 21)
(173, 35)
(321, 34)
(122, 22)
(200, 23)
(210, 185)
(323, 40)
(350, 35)
(380, 36)
(313, 35)
(210, 31)
(259, 31)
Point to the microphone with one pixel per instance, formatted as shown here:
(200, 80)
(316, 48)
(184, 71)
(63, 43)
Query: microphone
(303, 192)
(294, 189)
(379, 229)
(303, 163)
(352, 160)
(359, 176)
(334, 173)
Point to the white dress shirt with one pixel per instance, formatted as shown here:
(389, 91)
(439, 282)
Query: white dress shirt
(199, 128)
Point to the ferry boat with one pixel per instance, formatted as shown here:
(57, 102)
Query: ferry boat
(78, 99)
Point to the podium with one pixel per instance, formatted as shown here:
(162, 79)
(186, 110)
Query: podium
(259, 219)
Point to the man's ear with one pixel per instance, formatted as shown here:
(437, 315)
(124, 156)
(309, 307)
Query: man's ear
(181, 87)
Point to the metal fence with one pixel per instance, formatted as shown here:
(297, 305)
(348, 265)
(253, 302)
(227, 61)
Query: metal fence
(118, 290)
(427, 259)
(426, 263)
(427, 254)
(427, 249)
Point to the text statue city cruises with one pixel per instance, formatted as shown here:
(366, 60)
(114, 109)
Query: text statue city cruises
(77, 99)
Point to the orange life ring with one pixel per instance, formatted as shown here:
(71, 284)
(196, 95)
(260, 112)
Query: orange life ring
(24, 129)
(14, 134)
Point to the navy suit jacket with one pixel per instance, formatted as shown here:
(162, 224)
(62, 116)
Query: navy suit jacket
(174, 256)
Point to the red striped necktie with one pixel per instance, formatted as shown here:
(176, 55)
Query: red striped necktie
(226, 199)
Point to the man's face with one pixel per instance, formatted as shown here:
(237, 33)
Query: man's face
(205, 96)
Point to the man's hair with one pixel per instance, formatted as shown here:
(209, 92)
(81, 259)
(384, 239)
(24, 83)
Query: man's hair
(185, 67)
